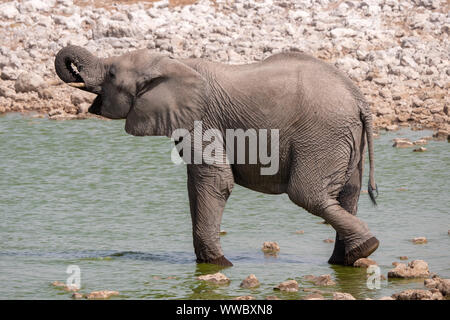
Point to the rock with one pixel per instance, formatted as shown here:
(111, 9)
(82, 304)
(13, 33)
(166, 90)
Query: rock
(77, 295)
(27, 82)
(403, 258)
(420, 149)
(414, 269)
(323, 280)
(441, 134)
(392, 127)
(287, 286)
(419, 240)
(244, 298)
(420, 142)
(386, 298)
(364, 263)
(270, 247)
(313, 290)
(70, 109)
(250, 282)
(403, 143)
(342, 296)
(299, 232)
(79, 97)
(45, 94)
(314, 296)
(342, 32)
(8, 10)
(272, 298)
(328, 240)
(216, 278)
(104, 294)
(418, 294)
(443, 285)
(7, 92)
(222, 232)
(64, 286)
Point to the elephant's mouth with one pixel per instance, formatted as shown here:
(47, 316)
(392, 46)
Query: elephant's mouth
(96, 106)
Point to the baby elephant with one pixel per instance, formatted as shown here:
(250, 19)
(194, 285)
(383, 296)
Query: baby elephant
(319, 118)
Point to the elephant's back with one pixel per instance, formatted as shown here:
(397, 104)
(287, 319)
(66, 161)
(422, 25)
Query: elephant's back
(286, 88)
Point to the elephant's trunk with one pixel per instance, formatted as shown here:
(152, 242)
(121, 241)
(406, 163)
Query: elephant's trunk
(79, 68)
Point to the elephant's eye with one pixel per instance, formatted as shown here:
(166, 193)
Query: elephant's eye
(112, 72)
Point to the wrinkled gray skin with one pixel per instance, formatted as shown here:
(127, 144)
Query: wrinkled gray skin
(322, 117)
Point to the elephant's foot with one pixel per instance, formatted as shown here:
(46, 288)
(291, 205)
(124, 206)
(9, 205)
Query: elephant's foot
(220, 261)
(362, 251)
(338, 255)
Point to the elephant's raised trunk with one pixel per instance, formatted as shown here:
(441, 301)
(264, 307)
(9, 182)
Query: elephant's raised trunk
(79, 68)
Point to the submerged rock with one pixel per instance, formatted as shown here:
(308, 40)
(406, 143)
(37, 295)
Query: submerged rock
(314, 296)
(77, 295)
(244, 298)
(104, 294)
(313, 290)
(403, 258)
(419, 240)
(421, 149)
(402, 143)
(418, 294)
(64, 286)
(272, 298)
(364, 263)
(216, 278)
(270, 247)
(342, 296)
(386, 298)
(414, 269)
(250, 282)
(328, 240)
(323, 280)
(420, 142)
(287, 286)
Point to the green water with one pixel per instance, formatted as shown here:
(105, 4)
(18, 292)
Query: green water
(85, 193)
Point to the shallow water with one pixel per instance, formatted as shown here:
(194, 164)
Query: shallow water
(85, 193)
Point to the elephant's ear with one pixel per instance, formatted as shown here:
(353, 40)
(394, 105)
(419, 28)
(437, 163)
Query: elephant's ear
(169, 96)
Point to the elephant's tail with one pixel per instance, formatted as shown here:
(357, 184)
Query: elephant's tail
(366, 117)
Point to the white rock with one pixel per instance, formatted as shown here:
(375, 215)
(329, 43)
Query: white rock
(342, 32)
(8, 10)
(27, 82)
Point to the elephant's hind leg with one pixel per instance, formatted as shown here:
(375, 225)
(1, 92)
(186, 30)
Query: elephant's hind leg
(348, 199)
(355, 239)
(353, 233)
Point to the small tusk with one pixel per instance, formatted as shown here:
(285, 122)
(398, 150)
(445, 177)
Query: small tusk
(77, 84)
(54, 82)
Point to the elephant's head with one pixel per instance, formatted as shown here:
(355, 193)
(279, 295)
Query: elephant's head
(154, 93)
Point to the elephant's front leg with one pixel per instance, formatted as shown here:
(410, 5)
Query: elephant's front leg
(209, 187)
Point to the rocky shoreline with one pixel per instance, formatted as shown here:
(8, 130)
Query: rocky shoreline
(397, 52)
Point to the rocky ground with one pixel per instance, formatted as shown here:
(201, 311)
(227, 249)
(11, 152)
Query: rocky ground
(396, 51)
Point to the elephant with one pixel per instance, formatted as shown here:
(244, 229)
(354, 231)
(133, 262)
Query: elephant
(322, 118)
